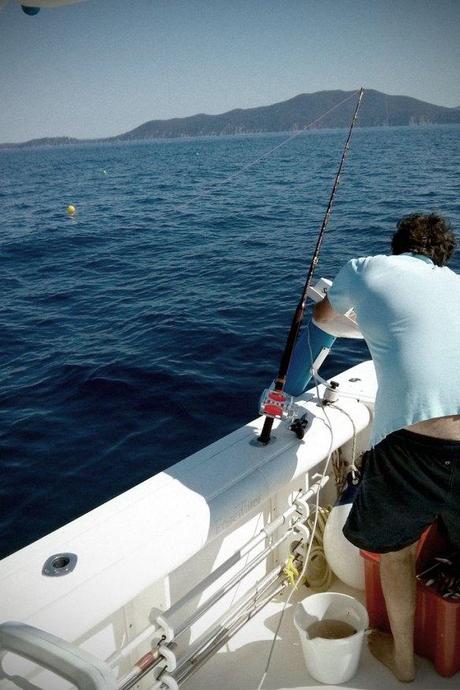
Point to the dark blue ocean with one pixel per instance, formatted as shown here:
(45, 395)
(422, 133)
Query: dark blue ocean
(146, 326)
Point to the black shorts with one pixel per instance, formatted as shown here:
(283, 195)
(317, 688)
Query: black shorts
(409, 480)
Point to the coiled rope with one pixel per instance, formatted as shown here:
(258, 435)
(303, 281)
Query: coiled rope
(318, 575)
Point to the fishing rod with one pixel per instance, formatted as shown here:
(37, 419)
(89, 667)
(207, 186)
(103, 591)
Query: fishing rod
(276, 400)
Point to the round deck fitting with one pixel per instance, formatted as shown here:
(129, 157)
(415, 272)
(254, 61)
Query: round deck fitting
(59, 564)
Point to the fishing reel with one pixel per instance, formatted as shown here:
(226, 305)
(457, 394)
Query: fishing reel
(277, 404)
(280, 405)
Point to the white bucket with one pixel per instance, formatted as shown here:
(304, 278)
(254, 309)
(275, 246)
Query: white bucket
(331, 661)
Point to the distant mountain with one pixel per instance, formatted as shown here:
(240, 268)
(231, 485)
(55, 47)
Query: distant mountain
(296, 113)
(377, 109)
(45, 141)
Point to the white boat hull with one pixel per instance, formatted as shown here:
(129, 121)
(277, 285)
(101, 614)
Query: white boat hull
(146, 548)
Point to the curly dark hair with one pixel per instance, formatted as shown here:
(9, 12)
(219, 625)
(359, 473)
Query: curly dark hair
(430, 235)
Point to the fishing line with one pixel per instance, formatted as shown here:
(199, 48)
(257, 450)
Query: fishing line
(254, 162)
(216, 185)
(297, 319)
(233, 176)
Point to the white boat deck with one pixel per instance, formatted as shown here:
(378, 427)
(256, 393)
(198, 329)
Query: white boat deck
(240, 664)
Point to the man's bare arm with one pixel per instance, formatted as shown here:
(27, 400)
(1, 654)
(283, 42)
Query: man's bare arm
(324, 311)
(334, 323)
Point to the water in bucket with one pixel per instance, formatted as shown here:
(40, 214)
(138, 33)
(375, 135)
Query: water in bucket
(331, 628)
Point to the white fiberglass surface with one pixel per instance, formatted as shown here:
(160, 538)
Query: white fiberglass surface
(240, 664)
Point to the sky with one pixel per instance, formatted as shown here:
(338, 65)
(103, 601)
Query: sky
(102, 67)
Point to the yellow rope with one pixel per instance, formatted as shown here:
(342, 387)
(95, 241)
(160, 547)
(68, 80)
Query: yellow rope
(291, 571)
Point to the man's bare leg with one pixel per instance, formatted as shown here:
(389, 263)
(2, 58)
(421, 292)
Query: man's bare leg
(397, 575)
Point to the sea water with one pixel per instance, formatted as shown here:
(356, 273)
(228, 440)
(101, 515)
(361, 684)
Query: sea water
(145, 326)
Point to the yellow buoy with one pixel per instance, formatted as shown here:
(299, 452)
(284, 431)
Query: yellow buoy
(71, 209)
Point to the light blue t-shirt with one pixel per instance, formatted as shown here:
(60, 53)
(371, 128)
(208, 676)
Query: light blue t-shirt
(408, 311)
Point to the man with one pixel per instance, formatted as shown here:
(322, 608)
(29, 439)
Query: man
(407, 307)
